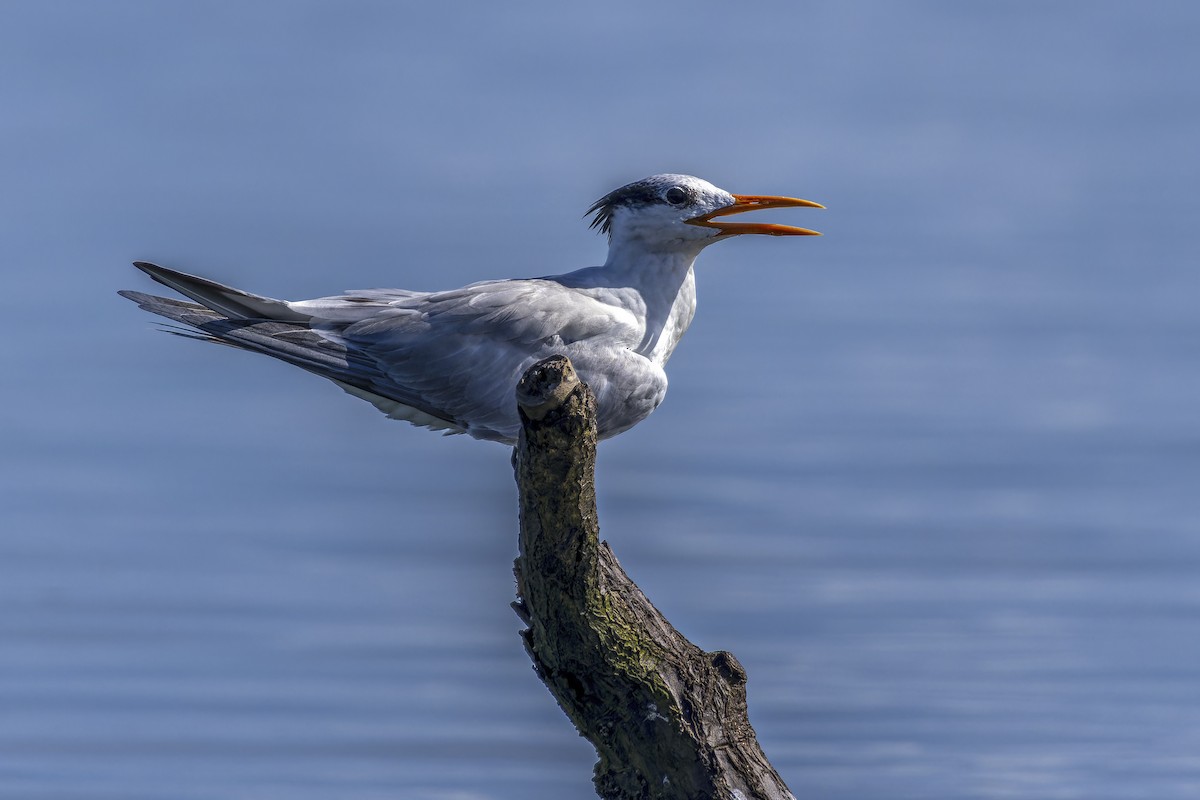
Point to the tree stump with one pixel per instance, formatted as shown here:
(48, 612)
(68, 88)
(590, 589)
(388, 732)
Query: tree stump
(667, 719)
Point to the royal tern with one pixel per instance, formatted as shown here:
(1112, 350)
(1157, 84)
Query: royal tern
(451, 360)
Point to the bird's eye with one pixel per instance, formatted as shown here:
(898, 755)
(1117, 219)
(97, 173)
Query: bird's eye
(676, 195)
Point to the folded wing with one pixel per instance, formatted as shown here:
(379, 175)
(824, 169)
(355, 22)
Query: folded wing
(443, 360)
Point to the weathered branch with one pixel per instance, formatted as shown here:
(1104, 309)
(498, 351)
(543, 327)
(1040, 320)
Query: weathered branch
(668, 720)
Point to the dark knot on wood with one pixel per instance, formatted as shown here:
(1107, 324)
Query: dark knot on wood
(729, 668)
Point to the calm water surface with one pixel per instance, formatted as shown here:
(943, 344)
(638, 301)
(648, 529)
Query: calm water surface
(933, 478)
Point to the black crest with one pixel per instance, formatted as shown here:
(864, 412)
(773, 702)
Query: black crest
(640, 193)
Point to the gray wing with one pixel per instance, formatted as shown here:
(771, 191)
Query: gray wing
(463, 351)
(445, 360)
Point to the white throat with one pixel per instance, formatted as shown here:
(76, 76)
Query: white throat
(666, 285)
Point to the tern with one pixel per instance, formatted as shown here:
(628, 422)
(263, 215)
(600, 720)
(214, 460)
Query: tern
(450, 360)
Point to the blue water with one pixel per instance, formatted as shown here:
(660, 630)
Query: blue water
(932, 478)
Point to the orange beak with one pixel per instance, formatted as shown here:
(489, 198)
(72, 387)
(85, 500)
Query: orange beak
(752, 202)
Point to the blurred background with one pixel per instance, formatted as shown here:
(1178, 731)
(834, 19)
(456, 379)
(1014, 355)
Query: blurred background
(932, 477)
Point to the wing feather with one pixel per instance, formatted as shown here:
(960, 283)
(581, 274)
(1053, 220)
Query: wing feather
(444, 360)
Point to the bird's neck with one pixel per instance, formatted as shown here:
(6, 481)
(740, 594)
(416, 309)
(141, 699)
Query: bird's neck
(666, 285)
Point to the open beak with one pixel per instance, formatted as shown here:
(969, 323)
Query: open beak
(753, 202)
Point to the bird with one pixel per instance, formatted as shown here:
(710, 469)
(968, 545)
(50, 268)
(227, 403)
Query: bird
(450, 360)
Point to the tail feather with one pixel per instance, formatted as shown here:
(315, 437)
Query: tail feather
(231, 302)
(288, 339)
(292, 342)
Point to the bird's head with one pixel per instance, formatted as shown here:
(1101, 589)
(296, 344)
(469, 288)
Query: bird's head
(681, 212)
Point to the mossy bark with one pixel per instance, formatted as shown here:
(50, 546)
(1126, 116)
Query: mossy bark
(668, 720)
